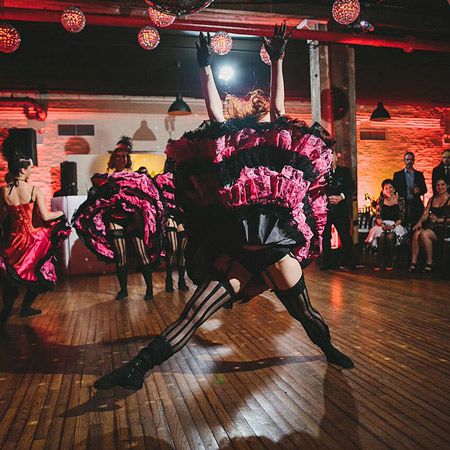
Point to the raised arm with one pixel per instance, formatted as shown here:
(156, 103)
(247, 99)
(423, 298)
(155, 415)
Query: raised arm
(276, 47)
(209, 89)
(43, 211)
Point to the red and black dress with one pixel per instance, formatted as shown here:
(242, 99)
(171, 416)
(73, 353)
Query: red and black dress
(27, 255)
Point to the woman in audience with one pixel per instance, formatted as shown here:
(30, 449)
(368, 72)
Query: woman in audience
(388, 231)
(431, 226)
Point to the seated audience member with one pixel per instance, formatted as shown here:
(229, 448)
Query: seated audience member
(410, 184)
(442, 170)
(431, 226)
(388, 230)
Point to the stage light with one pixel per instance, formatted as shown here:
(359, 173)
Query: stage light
(226, 73)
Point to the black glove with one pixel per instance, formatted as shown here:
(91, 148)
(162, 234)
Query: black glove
(276, 46)
(203, 50)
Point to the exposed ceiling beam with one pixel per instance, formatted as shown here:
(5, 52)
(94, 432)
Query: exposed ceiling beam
(118, 14)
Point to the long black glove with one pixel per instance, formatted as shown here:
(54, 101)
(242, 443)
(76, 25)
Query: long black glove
(276, 46)
(203, 50)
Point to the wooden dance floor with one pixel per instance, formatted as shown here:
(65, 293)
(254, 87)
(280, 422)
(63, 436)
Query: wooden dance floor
(249, 379)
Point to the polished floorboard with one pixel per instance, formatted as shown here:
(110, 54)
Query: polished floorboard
(249, 379)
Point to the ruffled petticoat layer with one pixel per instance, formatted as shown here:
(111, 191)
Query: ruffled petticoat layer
(249, 183)
(128, 198)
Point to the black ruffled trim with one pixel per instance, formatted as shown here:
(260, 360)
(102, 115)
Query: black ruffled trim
(228, 170)
(212, 130)
(107, 191)
(41, 283)
(268, 156)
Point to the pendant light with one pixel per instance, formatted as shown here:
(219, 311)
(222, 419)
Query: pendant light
(179, 107)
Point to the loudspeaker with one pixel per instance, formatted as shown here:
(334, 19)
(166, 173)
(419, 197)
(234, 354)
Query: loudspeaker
(69, 178)
(24, 141)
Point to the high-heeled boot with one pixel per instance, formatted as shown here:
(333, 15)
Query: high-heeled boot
(297, 302)
(147, 274)
(182, 286)
(27, 310)
(122, 276)
(131, 375)
(10, 293)
(169, 281)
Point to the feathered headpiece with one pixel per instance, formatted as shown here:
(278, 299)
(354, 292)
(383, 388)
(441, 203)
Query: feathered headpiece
(125, 143)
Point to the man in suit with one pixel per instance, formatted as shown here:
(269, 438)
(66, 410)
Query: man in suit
(442, 171)
(410, 184)
(339, 190)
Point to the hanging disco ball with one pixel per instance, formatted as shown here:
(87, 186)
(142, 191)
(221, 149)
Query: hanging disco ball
(160, 19)
(148, 37)
(221, 43)
(345, 11)
(179, 7)
(73, 19)
(265, 58)
(9, 38)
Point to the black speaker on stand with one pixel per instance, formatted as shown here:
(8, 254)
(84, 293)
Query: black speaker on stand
(68, 179)
(24, 141)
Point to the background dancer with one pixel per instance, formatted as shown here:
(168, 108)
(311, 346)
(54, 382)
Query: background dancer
(254, 203)
(174, 232)
(31, 234)
(124, 204)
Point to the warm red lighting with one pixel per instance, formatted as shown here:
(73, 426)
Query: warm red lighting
(160, 19)
(9, 38)
(73, 19)
(345, 11)
(221, 43)
(148, 38)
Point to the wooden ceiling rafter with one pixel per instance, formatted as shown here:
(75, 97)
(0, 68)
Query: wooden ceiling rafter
(134, 15)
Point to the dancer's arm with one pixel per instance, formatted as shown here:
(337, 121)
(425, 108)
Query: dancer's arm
(276, 47)
(209, 89)
(43, 211)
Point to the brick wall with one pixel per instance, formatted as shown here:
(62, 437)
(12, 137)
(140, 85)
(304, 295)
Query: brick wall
(416, 128)
(419, 129)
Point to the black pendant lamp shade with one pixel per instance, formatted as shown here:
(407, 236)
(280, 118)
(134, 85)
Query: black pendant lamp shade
(179, 107)
(380, 113)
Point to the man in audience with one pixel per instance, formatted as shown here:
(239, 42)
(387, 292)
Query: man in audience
(340, 196)
(442, 171)
(410, 184)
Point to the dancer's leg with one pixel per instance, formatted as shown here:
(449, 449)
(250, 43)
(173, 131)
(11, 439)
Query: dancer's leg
(288, 282)
(117, 235)
(145, 266)
(10, 293)
(181, 262)
(30, 297)
(171, 251)
(208, 298)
